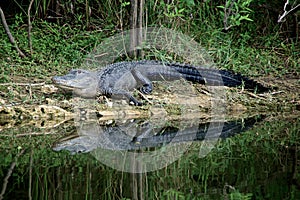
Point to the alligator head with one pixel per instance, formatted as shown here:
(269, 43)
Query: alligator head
(80, 144)
(82, 82)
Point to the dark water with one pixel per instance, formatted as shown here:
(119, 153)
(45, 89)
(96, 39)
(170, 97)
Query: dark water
(256, 159)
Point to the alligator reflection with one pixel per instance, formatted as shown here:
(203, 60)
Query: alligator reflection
(142, 134)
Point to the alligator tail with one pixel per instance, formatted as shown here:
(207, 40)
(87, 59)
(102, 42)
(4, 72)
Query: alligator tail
(215, 77)
(231, 79)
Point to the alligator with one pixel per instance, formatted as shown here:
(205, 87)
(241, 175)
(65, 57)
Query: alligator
(134, 135)
(118, 79)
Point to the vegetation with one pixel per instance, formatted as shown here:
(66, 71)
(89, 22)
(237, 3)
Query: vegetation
(240, 35)
(243, 36)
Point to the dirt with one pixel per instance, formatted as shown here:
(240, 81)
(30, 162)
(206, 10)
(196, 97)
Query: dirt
(45, 102)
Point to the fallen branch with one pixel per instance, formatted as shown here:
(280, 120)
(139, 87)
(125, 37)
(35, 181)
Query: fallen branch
(30, 175)
(227, 15)
(272, 93)
(11, 38)
(286, 12)
(33, 133)
(144, 96)
(23, 84)
(29, 27)
(10, 170)
(254, 95)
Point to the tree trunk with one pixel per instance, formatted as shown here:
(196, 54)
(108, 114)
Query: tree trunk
(136, 31)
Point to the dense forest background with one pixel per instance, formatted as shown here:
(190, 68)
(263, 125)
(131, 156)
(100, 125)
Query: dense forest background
(251, 36)
(93, 14)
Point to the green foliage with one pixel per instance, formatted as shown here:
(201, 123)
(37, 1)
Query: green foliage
(234, 12)
(240, 196)
(172, 13)
(174, 195)
(56, 48)
(60, 44)
(178, 9)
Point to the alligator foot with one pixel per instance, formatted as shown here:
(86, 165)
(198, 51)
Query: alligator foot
(134, 101)
(146, 89)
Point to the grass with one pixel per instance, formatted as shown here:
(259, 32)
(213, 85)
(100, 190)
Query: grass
(251, 56)
(57, 48)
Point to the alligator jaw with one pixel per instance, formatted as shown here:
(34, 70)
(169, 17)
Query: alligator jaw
(82, 82)
(64, 83)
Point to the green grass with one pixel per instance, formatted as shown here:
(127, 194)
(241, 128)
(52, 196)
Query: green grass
(59, 47)
(55, 50)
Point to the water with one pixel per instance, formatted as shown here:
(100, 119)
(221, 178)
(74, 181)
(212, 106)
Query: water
(260, 163)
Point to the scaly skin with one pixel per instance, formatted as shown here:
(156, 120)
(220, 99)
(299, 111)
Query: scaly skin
(119, 79)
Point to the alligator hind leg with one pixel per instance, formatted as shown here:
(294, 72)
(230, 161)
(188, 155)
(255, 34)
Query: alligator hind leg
(147, 86)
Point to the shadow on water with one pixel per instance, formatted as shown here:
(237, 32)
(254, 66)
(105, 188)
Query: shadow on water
(251, 158)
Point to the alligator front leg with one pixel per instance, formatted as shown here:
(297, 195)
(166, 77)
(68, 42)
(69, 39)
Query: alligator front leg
(147, 86)
(120, 94)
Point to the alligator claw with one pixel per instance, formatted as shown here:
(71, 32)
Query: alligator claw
(146, 90)
(135, 102)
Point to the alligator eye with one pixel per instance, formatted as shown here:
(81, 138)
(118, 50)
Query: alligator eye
(79, 71)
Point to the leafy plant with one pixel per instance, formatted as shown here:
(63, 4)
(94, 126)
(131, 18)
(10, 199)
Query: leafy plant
(234, 12)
